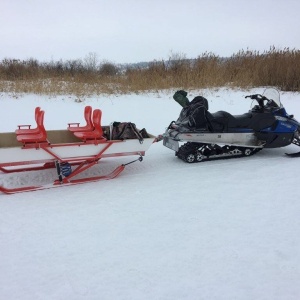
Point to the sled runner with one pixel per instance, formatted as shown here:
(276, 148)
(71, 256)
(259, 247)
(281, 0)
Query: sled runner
(71, 151)
(208, 136)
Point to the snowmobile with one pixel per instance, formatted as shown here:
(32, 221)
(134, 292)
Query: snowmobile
(208, 136)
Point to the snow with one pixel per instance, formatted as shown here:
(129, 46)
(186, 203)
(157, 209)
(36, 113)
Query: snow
(163, 229)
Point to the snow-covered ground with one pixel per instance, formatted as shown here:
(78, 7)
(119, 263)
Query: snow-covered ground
(163, 229)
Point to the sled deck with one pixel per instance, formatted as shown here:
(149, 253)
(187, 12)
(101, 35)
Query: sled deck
(70, 151)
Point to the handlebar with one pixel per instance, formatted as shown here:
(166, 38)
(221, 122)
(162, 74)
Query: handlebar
(257, 97)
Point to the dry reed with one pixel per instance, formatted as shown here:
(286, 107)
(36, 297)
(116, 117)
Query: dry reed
(245, 69)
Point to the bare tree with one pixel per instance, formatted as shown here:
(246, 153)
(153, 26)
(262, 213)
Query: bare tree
(91, 61)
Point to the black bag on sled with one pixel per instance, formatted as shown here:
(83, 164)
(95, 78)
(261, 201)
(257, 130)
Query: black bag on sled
(127, 130)
(194, 115)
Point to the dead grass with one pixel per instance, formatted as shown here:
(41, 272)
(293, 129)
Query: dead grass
(245, 69)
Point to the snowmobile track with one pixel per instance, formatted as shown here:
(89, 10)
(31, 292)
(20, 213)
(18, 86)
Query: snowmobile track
(196, 152)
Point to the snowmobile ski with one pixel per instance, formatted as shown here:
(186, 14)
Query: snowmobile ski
(296, 141)
(297, 154)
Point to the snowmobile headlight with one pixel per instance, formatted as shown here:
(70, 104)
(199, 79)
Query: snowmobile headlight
(280, 118)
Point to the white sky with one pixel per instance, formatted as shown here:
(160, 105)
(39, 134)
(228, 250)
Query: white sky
(127, 31)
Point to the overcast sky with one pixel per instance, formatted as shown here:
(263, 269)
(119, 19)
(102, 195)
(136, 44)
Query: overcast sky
(127, 31)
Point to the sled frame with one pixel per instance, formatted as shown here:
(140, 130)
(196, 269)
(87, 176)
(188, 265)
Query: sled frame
(82, 163)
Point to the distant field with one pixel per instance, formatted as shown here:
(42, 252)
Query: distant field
(88, 76)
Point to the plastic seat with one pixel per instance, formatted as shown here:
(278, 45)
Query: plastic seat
(97, 133)
(40, 136)
(74, 127)
(29, 130)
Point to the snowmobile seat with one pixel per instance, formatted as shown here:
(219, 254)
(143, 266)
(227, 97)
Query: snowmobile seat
(241, 121)
(230, 121)
(28, 129)
(97, 132)
(214, 122)
(255, 121)
(40, 136)
(74, 127)
(219, 121)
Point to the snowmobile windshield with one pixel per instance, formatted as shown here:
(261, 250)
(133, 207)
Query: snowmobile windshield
(269, 100)
(273, 96)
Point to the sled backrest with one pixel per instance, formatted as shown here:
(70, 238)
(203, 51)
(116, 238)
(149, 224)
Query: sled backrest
(88, 118)
(97, 133)
(26, 129)
(40, 136)
(36, 113)
(40, 122)
(97, 116)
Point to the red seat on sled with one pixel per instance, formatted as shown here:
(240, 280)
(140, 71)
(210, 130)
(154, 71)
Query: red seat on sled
(40, 136)
(97, 133)
(29, 130)
(88, 118)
